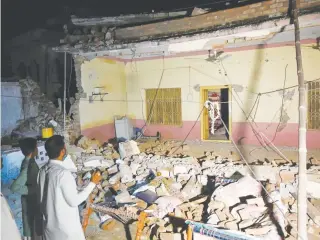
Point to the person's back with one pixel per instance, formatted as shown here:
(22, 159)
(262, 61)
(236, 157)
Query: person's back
(9, 229)
(61, 219)
(59, 196)
(26, 185)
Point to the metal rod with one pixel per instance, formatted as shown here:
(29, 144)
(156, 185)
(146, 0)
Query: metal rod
(65, 92)
(302, 182)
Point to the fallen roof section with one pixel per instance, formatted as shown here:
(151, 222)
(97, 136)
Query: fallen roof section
(279, 30)
(126, 19)
(99, 38)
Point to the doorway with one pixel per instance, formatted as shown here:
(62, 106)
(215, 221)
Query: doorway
(212, 127)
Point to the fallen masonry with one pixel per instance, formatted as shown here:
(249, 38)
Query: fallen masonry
(213, 192)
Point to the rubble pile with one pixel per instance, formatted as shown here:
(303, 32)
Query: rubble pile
(39, 111)
(212, 190)
(167, 148)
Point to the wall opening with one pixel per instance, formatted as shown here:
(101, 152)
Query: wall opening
(71, 82)
(214, 129)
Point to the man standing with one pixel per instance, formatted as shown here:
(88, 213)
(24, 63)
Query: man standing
(26, 185)
(9, 229)
(59, 196)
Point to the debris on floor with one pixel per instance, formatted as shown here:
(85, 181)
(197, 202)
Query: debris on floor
(210, 192)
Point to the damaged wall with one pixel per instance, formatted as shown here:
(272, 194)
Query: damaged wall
(11, 106)
(251, 66)
(97, 118)
(213, 19)
(31, 56)
(251, 71)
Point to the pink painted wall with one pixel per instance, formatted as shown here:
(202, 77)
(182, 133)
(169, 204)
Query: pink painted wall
(287, 137)
(174, 71)
(102, 133)
(240, 131)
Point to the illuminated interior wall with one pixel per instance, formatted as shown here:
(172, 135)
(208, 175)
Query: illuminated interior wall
(249, 71)
(97, 118)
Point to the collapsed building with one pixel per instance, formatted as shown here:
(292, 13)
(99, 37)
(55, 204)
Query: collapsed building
(218, 196)
(206, 79)
(230, 56)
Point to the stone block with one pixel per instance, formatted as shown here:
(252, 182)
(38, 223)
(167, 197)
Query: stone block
(231, 225)
(134, 167)
(221, 215)
(230, 194)
(171, 236)
(113, 169)
(180, 169)
(213, 219)
(251, 211)
(202, 179)
(263, 173)
(183, 177)
(258, 231)
(246, 223)
(164, 172)
(123, 197)
(256, 201)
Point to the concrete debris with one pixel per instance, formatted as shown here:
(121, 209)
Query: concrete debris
(221, 194)
(171, 236)
(88, 144)
(230, 194)
(198, 11)
(129, 148)
(256, 201)
(258, 231)
(39, 111)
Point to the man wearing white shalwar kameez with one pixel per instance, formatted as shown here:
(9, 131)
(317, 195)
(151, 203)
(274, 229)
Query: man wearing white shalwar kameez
(9, 229)
(59, 196)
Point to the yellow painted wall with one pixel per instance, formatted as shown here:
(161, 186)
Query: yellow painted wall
(255, 70)
(110, 74)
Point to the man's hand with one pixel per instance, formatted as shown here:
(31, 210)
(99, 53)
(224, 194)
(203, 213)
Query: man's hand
(96, 177)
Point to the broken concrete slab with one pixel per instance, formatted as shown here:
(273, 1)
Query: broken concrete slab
(129, 148)
(171, 236)
(259, 231)
(230, 194)
(256, 201)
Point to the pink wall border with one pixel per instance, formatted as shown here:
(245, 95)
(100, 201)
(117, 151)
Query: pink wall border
(240, 131)
(102, 133)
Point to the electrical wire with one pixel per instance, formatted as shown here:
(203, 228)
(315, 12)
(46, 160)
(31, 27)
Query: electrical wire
(282, 103)
(253, 173)
(255, 102)
(143, 129)
(278, 90)
(119, 100)
(153, 101)
(115, 100)
(259, 135)
(275, 149)
(256, 133)
(255, 113)
(184, 140)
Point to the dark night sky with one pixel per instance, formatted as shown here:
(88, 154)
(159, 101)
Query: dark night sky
(19, 16)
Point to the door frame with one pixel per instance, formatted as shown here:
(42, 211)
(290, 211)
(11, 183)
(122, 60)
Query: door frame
(204, 116)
